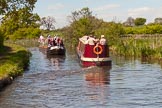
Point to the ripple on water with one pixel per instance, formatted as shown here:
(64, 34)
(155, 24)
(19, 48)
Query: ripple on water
(60, 82)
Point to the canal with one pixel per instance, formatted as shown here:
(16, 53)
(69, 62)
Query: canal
(60, 82)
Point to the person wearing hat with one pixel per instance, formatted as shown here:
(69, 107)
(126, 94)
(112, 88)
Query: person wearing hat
(102, 40)
(90, 40)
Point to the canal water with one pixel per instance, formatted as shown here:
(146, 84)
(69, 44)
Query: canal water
(60, 82)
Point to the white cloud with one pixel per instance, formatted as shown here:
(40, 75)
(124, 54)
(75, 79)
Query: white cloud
(149, 13)
(106, 12)
(107, 7)
(110, 17)
(158, 12)
(140, 11)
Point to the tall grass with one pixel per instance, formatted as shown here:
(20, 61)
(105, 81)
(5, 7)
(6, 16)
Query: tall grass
(140, 47)
(25, 42)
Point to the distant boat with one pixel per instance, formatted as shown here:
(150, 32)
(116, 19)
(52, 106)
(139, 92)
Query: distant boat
(52, 46)
(93, 55)
(53, 50)
(56, 50)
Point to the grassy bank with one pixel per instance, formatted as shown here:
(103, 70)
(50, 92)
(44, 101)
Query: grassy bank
(135, 46)
(14, 60)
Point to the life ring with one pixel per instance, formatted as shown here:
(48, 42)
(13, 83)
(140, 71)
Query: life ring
(97, 51)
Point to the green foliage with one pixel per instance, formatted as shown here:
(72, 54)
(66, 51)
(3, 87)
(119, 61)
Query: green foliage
(147, 29)
(147, 52)
(139, 21)
(82, 27)
(113, 33)
(128, 30)
(158, 21)
(12, 24)
(1, 39)
(18, 15)
(8, 6)
(3, 5)
(83, 23)
(9, 25)
(8, 69)
(154, 29)
(14, 63)
(148, 47)
(23, 33)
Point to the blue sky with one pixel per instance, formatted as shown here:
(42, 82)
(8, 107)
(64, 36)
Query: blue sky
(108, 10)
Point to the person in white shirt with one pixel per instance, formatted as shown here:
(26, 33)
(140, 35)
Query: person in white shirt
(90, 40)
(103, 40)
(41, 40)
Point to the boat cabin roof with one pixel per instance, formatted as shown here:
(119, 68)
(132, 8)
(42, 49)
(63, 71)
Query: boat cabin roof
(83, 39)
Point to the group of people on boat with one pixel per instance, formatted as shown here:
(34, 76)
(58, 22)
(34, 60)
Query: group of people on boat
(92, 40)
(51, 41)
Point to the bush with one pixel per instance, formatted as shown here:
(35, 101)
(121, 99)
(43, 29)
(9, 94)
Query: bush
(24, 33)
(147, 29)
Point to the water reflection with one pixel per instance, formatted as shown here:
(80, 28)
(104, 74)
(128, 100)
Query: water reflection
(133, 84)
(147, 60)
(56, 60)
(98, 76)
(43, 50)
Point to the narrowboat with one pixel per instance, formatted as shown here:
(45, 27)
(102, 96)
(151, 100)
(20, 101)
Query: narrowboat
(93, 54)
(52, 45)
(56, 50)
(53, 50)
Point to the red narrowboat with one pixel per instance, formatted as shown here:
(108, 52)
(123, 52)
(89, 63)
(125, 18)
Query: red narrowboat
(93, 54)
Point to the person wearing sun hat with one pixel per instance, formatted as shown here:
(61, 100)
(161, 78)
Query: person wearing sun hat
(102, 40)
(102, 36)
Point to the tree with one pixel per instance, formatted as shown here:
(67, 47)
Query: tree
(8, 6)
(82, 23)
(3, 6)
(129, 22)
(76, 15)
(48, 22)
(158, 21)
(1, 39)
(140, 21)
(18, 14)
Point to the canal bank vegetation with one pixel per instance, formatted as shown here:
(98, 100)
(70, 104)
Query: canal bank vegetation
(13, 61)
(125, 39)
(17, 22)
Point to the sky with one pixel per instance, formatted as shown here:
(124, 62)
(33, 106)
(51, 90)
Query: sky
(108, 10)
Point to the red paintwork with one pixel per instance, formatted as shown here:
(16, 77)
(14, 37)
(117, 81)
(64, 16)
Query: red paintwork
(88, 52)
